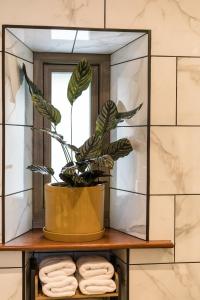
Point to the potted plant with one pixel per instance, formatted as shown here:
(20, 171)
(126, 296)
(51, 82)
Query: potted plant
(74, 207)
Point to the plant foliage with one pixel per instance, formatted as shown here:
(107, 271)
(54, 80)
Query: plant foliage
(85, 165)
(79, 81)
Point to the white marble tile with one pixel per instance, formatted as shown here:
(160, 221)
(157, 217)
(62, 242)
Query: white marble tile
(161, 218)
(129, 88)
(11, 284)
(165, 282)
(188, 85)
(138, 48)
(187, 228)
(163, 90)
(83, 13)
(11, 259)
(18, 212)
(129, 173)
(128, 212)
(18, 104)
(175, 164)
(18, 156)
(103, 42)
(179, 23)
(150, 256)
(46, 40)
(16, 47)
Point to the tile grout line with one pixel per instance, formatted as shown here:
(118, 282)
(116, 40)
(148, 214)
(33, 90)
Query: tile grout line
(139, 37)
(19, 57)
(137, 193)
(104, 19)
(182, 56)
(129, 60)
(19, 40)
(26, 190)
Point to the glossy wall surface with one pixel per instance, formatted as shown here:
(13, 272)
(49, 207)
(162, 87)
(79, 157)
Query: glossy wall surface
(175, 115)
(18, 140)
(128, 185)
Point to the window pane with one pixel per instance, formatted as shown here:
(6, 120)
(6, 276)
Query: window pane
(81, 118)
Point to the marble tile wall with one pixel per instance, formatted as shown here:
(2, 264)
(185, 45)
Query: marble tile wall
(18, 139)
(165, 281)
(174, 163)
(129, 88)
(175, 115)
(11, 275)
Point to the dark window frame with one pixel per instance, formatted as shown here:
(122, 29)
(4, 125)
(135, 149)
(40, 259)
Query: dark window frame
(44, 63)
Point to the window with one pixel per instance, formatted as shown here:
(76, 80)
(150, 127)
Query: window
(51, 74)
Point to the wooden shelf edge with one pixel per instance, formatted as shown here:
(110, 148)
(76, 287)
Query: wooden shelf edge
(113, 239)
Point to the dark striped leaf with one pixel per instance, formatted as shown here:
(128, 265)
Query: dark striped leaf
(69, 170)
(90, 149)
(118, 149)
(104, 161)
(89, 177)
(79, 81)
(73, 148)
(68, 179)
(127, 114)
(41, 169)
(32, 87)
(46, 109)
(107, 118)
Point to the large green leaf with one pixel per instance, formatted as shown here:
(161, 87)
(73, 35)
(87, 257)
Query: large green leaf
(89, 177)
(32, 87)
(79, 81)
(121, 116)
(118, 149)
(68, 179)
(107, 118)
(41, 169)
(69, 169)
(46, 109)
(72, 147)
(90, 148)
(104, 161)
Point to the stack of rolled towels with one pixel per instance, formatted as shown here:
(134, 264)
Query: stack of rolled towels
(95, 275)
(57, 276)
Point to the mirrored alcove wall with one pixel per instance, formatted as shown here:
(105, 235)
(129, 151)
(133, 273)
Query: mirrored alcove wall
(120, 61)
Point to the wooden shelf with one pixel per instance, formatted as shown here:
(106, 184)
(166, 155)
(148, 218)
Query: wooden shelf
(113, 239)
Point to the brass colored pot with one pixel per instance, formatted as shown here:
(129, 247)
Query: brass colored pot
(74, 214)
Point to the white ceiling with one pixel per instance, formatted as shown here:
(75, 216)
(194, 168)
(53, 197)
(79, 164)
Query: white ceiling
(74, 41)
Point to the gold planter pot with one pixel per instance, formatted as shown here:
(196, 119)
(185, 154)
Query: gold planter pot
(74, 214)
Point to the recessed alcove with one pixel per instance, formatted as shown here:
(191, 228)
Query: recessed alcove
(123, 68)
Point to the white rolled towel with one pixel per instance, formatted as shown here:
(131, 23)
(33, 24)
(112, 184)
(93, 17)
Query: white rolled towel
(94, 286)
(51, 268)
(95, 267)
(66, 286)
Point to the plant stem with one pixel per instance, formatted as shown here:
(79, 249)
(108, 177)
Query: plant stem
(65, 150)
(71, 126)
(55, 178)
